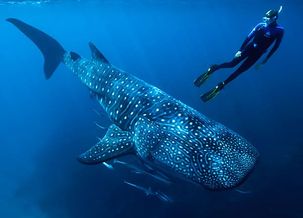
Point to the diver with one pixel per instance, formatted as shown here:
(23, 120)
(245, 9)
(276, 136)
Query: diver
(253, 47)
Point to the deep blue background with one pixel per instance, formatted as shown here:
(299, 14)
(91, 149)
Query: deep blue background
(46, 124)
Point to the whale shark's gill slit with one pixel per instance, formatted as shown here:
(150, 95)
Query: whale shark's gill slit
(52, 51)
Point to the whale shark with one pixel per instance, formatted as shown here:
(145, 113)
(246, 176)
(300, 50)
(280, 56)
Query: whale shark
(149, 123)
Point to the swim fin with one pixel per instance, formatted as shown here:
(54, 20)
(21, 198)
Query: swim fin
(203, 77)
(212, 93)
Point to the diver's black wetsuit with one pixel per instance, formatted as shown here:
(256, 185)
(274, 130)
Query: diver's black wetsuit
(254, 46)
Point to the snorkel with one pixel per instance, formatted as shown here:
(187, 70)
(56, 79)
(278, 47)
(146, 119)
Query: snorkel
(280, 9)
(271, 16)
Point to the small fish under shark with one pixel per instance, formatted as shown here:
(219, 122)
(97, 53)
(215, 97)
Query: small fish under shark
(149, 192)
(149, 123)
(156, 175)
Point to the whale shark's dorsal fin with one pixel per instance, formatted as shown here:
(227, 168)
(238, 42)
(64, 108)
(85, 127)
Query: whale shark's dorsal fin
(96, 54)
(115, 143)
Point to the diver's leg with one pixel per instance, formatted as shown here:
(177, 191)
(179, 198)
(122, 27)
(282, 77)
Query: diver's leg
(204, 76)
(244, 66)
(251, 60)
(234, 62)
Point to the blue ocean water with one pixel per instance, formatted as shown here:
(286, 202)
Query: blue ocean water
(45, 125)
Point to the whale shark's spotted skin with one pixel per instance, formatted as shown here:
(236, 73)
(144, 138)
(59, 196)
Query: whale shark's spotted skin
(164, 130)
(158, 128)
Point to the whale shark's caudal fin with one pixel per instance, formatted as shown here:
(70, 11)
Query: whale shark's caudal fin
(52, 51)
(96, 54)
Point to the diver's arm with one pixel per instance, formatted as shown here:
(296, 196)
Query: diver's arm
(275, 47)
(250, 36)
(246, 41)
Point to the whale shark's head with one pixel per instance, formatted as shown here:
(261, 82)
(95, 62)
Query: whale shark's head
(210, 155)
(227, 162)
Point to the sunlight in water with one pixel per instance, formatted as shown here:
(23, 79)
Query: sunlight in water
(31, 2)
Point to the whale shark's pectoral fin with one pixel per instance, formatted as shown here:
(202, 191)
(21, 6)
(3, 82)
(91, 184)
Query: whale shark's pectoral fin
(115, 143)
(96, 54)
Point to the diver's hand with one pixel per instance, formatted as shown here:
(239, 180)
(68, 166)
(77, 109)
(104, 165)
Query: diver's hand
(238, 54)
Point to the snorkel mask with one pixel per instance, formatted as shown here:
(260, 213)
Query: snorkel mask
(271, 16)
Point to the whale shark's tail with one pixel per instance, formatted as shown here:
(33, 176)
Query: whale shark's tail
(52, 51)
